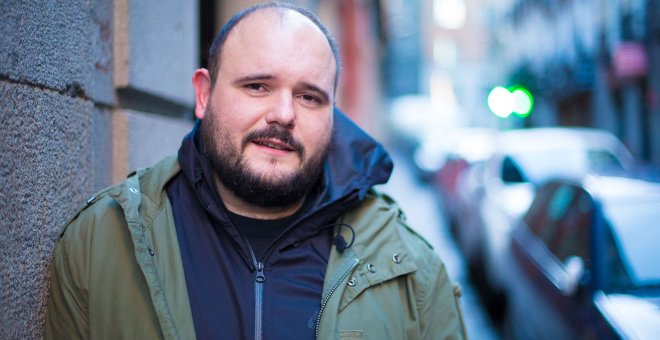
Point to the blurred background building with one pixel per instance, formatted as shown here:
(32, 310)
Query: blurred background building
(591, 63)
(587, 63)
(91, 90)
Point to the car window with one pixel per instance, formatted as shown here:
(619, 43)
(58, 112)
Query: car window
(572, 234)
(602, 159)
(561, 220)
(537, 214)
(556, 207)
(511, 171)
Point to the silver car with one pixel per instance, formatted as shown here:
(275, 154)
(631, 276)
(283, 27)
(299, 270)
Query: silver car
(506, 184)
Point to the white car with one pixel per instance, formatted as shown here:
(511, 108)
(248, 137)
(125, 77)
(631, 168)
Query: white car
(584, 261)
(523, 160)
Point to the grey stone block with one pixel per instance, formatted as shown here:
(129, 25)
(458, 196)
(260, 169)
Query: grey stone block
(162, 43)
(45, 167)
(63, 45)
(152, 137)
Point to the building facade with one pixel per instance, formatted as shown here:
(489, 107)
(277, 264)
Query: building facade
(588, 63)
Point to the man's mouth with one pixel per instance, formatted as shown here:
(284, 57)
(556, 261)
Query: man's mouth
(275, 144)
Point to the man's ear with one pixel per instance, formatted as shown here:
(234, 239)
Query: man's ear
(202, 84)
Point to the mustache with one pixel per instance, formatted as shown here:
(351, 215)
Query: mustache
(274, 132)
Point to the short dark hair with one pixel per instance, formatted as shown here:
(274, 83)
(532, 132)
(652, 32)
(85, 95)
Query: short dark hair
(221, 37)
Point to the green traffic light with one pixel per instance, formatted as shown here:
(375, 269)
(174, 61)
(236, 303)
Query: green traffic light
(513, 100)
(523, 102)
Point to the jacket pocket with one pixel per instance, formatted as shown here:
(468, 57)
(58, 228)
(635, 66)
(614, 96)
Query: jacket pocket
(350, 335)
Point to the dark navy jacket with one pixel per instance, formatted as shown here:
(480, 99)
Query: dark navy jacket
(234, 296)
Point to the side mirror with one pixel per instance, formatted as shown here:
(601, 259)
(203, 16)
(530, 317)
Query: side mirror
(575, 271)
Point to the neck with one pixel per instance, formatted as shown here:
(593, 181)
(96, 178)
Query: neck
(238, 206)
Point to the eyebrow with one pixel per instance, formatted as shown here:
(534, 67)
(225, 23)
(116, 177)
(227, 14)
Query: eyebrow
(261, 77)
(253, 77)
(320, 91)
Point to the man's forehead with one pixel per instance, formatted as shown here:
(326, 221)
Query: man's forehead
(268, 18)
(272, 30)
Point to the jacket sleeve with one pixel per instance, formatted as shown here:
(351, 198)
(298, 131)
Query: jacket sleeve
(66, 311)
(441, 315)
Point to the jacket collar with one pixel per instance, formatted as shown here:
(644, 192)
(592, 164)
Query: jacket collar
(142, 194)
(356, 161)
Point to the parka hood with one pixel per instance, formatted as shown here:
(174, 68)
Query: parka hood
(356, 161)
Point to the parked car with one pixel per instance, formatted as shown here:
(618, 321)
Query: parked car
(468, 147)
(430, 154)
(501, 190)
(443, 147)
(411, 121)
(584, 262)
(466, 223)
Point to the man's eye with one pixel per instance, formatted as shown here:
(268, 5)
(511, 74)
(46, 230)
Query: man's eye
(255, 87)
(310, 98)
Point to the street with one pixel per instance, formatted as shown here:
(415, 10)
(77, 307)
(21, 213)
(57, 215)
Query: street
(424, 214)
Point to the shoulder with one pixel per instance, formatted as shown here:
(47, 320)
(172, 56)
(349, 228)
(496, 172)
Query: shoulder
(387, 219)
(381, 230)
(381, 213)
(111, 208)
(98, 213)
(380, 226)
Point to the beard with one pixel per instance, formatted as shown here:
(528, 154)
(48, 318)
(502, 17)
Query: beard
(267, 189)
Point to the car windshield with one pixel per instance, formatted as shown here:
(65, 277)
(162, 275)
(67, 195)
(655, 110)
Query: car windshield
(636, 233)
(539, 166)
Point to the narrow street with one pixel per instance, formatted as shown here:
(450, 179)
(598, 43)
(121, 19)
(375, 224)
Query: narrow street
(423, 212)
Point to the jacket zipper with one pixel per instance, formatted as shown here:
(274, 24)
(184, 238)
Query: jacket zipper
(259, 279)
(258, 299)
(327, 298)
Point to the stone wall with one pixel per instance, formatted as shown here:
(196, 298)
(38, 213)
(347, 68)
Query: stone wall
(89, 90)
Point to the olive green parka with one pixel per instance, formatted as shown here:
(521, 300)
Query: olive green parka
(117, 273)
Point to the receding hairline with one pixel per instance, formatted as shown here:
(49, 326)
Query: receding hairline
(273, 10)
(281, 15)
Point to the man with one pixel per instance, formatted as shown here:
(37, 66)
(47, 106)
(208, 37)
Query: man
(264, 226)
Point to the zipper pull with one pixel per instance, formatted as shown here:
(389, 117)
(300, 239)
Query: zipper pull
(260, 273)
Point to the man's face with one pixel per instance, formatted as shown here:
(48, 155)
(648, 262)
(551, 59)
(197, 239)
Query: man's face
(268, 122)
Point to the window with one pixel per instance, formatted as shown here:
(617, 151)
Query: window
(572, 237)
(537, 215)
(511, 172)
(561, 217)
(556, 208)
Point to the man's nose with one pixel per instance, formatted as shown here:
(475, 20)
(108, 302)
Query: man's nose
(282, 112)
